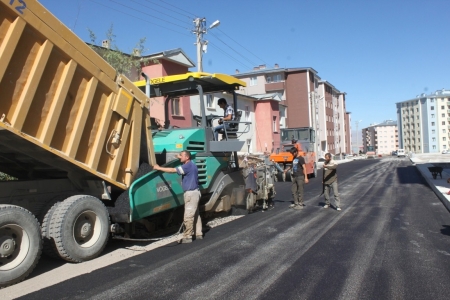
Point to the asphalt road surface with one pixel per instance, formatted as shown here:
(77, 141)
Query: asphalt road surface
(390, 241)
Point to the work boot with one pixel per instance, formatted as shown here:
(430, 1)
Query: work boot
(185, 241)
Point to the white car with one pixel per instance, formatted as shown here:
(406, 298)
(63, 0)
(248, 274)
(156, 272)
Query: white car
(401, 153)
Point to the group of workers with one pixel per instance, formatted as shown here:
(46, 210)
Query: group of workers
(189, 172)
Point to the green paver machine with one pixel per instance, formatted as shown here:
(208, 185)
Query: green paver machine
(220, 179)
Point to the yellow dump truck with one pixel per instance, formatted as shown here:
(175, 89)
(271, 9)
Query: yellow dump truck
(77, 136)
(70, 128)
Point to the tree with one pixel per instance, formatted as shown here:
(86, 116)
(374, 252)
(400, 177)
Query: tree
(128, 64)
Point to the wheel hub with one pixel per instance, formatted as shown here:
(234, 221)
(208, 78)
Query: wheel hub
(7, 246)
(85, 229)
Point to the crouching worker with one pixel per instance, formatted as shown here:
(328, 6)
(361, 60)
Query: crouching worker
(189, 182)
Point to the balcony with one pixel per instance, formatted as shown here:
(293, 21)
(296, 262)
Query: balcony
(274, 86)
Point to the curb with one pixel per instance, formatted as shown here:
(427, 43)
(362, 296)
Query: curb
(439, 186)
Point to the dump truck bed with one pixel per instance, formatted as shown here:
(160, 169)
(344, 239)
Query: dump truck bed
(64, 112)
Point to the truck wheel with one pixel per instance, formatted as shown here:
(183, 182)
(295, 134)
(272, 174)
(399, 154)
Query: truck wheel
(80, 228)
(20, 244)
(49, 247)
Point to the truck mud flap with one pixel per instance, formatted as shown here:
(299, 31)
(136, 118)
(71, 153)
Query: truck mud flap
(121, 211)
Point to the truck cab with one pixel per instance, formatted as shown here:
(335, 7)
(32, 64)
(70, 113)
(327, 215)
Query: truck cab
(303, 139)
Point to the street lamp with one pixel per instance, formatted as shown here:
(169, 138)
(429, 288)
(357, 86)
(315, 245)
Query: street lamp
(200, 29)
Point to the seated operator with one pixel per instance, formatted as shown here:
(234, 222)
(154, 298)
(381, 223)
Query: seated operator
(228, 115)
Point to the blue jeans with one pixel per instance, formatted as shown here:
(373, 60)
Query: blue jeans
(217, 129)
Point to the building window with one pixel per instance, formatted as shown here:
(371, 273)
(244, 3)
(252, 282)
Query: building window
(434, 146)
(176, 107)
(445, 146)
(432, 115)
(443, 131)
(443, 115)
(433, 139)
(247, 113)
(210, 101)
(433, 131)
(444, 138)
(442, 107)
(253, 81)
(432, 108)
(443, 122)
(432, 123)
(274, 124)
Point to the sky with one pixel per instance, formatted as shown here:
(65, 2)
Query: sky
(377, 52)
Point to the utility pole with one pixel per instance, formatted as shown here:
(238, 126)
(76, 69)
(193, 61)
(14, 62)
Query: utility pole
(200, 29)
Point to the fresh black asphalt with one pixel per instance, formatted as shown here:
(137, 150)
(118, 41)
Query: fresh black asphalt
(390, 241)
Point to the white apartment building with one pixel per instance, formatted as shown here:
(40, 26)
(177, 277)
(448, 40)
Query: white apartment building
(424, 122)
(383, 136)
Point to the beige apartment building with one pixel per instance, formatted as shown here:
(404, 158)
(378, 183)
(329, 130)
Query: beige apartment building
(424, 123)
(383, 136)
(309, 102)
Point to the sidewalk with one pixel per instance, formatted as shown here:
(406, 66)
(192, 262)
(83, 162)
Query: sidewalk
(438, 185)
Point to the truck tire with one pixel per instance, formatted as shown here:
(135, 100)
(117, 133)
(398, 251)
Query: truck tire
(20, 244)
(49, 246)
(80, 228)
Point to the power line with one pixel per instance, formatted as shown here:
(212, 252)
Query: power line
(231, 57)
(241, 45)
(147, 14)
(157, 11)
(147, 21)
(233, 50)
(191, 14)
(138, 18)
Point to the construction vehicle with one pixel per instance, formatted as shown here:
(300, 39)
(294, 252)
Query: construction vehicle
(77, 137)
(302, 138)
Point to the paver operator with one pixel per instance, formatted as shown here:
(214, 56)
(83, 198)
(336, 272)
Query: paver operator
(228, 115)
